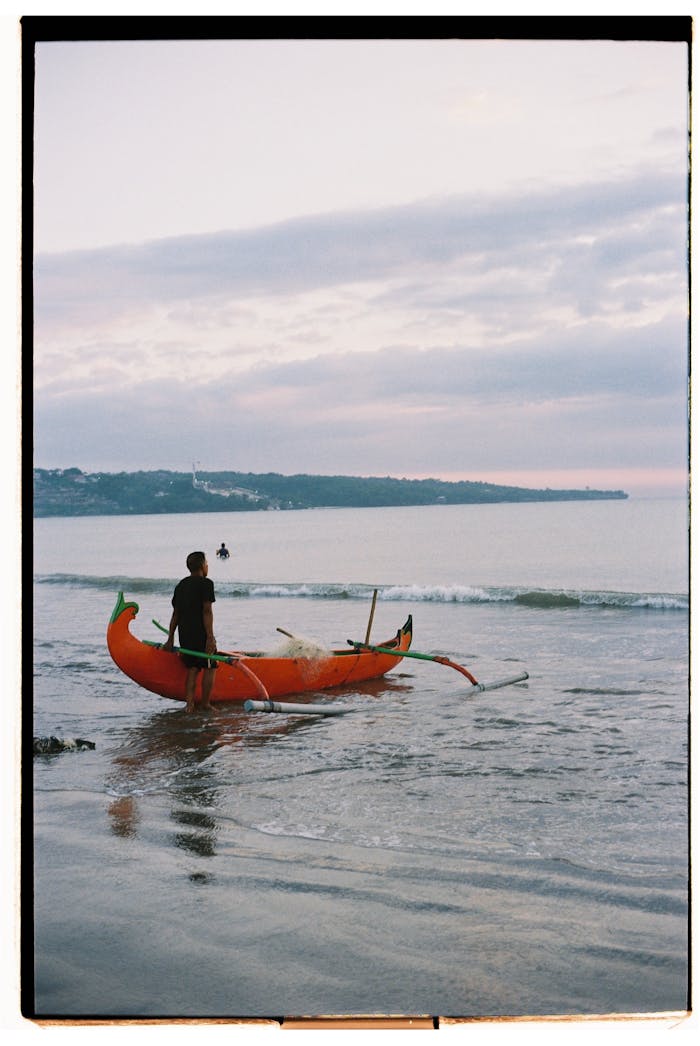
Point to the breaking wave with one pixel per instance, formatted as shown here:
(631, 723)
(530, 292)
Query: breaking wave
(533, 599)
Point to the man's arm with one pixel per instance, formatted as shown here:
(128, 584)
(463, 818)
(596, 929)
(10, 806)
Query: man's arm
(208, 618)
(170, 641)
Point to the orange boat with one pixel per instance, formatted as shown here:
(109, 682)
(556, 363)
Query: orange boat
(243, 675)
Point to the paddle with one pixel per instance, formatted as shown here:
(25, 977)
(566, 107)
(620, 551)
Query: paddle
(441, 661)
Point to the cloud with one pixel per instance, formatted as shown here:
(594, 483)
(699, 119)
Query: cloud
(578, 401)
(546, 330)
(465, 271)
(303, 255)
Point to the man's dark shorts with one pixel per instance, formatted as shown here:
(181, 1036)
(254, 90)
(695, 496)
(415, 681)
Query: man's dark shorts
(197, 662)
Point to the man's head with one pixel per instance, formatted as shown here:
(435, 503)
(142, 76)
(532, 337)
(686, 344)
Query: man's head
(196, 562)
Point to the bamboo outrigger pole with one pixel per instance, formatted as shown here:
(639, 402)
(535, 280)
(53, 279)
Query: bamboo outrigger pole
(296, 709)
(441, 661)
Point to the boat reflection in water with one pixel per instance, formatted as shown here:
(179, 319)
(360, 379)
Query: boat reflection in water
(173, 753)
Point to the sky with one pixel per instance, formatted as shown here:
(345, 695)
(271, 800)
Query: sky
(464, 259)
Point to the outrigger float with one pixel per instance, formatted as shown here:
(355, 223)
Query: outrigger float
(254, 679)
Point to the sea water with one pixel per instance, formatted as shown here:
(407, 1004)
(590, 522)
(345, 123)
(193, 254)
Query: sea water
(437, 851)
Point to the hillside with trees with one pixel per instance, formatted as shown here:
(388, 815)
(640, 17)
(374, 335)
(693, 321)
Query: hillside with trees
(71, 492)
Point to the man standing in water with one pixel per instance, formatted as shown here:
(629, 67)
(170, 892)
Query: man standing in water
(193, 617)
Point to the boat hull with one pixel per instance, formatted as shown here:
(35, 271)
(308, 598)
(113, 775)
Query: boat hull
(247, 675)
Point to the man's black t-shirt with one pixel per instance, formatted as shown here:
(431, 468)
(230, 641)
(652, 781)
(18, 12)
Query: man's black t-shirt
(189, 597)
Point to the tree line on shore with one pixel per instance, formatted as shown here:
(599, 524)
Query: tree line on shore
(72, 492)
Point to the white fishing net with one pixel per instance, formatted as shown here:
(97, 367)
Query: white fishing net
(299, 646)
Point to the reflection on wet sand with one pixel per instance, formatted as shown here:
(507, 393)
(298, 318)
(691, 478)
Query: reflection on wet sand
(201, 841)
(168, 753)
(125, 816)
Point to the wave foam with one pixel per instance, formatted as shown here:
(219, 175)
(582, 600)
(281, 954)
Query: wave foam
(533, 599)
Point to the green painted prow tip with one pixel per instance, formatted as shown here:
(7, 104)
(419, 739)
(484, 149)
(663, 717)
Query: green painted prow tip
(120, 606)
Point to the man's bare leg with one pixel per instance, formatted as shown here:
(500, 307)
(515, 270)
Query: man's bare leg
(207, 684)
(189, 688)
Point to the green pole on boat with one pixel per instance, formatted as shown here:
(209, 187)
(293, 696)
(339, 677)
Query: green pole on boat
(520, 678)
(227, 659)
(439, 658)
(414, 653)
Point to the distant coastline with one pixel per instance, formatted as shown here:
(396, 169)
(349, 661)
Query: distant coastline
(72, 492)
